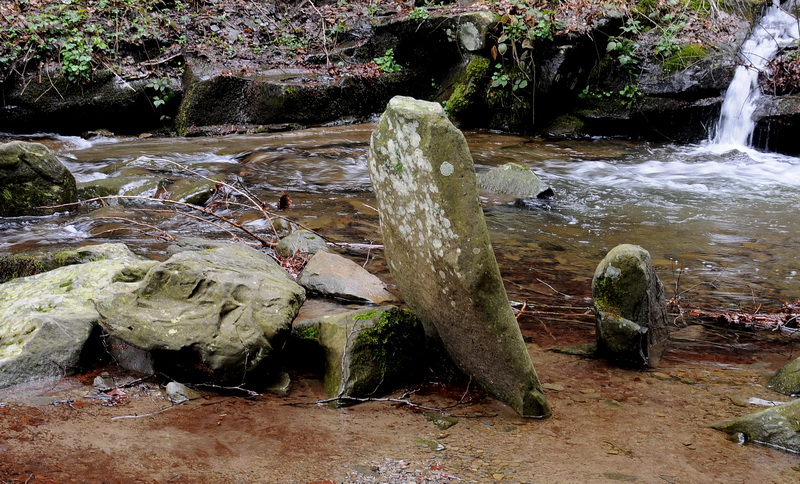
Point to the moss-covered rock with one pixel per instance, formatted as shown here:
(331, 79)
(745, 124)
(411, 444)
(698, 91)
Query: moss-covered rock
(366, 352)
(787, 379)
(777, 427)
(32, 177)
(469, 89)
(629, 306)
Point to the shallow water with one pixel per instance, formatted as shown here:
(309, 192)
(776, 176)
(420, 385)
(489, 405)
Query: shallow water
(706, 215)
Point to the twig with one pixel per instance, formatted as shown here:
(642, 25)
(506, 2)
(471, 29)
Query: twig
(264, 242)
(163, 233)
(521, 310)
(554, 289)
(250, 393)
(371, 399)
(324, 37)
(120, 417)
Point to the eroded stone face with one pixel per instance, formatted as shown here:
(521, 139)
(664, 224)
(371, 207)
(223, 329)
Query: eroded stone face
(439, 253)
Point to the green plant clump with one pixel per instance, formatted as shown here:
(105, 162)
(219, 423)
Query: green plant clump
(386, 63)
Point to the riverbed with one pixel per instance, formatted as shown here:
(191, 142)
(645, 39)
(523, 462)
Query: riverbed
(722, 228)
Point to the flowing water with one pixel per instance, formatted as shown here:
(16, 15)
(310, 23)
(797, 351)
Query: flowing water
(776, 30)
(726, 220)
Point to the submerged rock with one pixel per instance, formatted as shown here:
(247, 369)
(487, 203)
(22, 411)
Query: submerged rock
(366, 352)
(514, 179)
(777, 427)
(216, 313)
(48, 318)
(787, 379)
(438, 250)
(336, 276)
(31, 177)
(629, 307)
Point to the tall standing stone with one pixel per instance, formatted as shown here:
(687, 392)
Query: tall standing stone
(629, 306)
(439, 253)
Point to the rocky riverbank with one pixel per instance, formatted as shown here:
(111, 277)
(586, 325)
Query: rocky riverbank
(647, 69)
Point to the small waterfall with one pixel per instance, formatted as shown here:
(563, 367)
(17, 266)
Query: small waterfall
(776, 30)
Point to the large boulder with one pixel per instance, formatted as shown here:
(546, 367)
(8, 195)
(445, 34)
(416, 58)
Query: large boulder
(777, 427)
(336, 276)
(48, 318)
(210, 314)
(439, 253)
(787, 379)
(31, 177)
(629, 306)
(366, 352)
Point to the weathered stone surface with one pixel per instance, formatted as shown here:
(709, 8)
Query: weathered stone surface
(629, 306)
(48, 318)
(367, 352)
(513, 179)
(787, 379)
(438, 249)
(336, 276)
(179, 393)
(303, 241)
(214, 313)
(30, 177)
(777, 426)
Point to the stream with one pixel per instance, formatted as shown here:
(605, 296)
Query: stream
(720, 225)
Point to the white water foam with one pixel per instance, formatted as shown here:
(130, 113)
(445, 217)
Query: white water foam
(776, 30)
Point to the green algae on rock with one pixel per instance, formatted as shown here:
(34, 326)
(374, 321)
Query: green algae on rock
(630, 311)
(366, 352)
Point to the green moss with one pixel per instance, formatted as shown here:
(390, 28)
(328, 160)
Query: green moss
(607, 296)
(14, 266)
(391, 338)
(362, 317)
(311, 332)
(464, 94)
(685, 57)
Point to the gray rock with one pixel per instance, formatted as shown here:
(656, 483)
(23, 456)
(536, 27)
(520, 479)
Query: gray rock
(438, 250)
(629, 306)
(472, 29)
(787, 379)
(513, 179)
(367, 352)
(777, 426)
(48, 318)
(31, 177)
(303, 241)
(215, 313)
(179, 393)
(336, 276)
